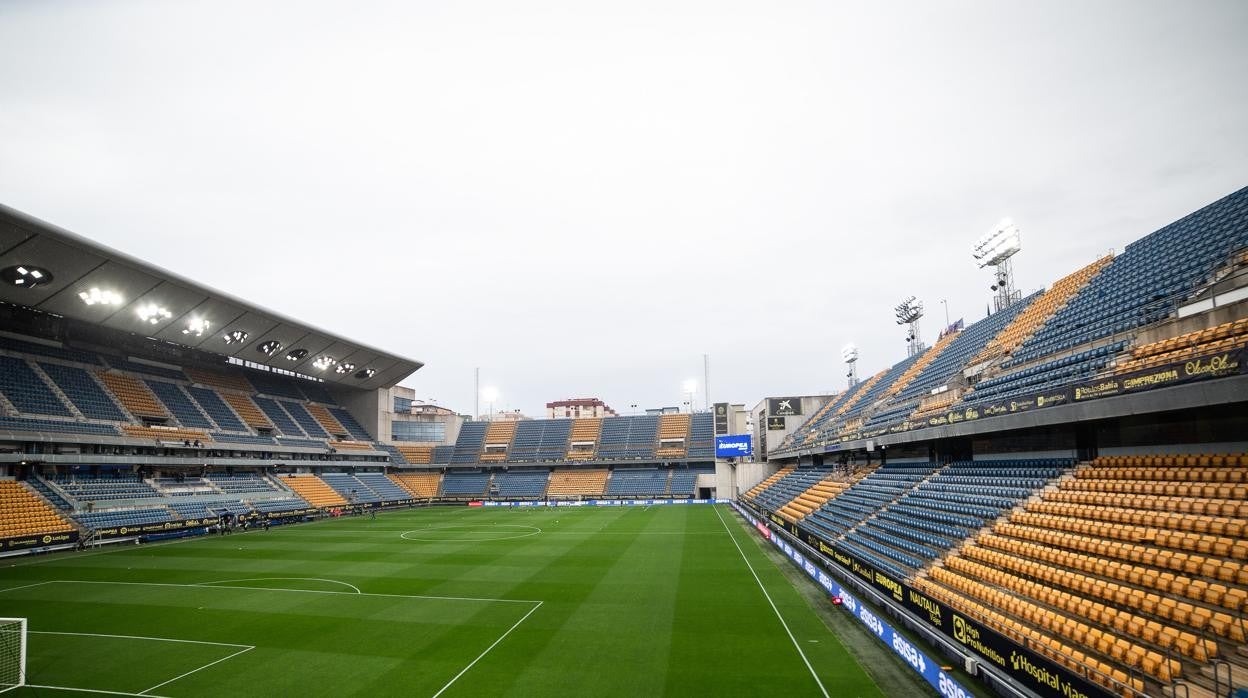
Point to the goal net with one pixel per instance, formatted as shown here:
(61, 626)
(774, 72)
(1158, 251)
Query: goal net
(12, 653)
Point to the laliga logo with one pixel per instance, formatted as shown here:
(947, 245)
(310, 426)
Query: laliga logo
(47, 539)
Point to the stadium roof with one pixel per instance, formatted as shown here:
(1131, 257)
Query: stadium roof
(55, 271)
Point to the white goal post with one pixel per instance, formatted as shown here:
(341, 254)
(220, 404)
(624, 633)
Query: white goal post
(12, 653)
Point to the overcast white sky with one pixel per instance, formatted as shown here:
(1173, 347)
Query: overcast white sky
(582, 198)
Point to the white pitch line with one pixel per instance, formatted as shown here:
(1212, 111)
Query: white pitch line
(248, 648)
(282, 579)
(140, 637)
(797, 646)
(93, 690)
(487, 650)
(24, 586)
(295, 591)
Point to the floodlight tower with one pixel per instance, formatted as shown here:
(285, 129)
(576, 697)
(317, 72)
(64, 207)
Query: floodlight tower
(995, 250)
(849, 354)
(908, 313)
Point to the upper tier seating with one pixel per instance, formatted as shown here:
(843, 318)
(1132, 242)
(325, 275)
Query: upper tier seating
(180, 405)
(628, 438)
(216, 409)
(673, 435)
(310, 425)
(142, 368)
(53, 352)
(55, 425)
(27, 391)
(247, 409)
(275, 385)
(82, 390)
(583, 438)
(1038, 312)
(498, 436)
(278, 416)
(133, 395)
(348, 422)
(327, 420)
(1148, 280)
(229, 381)
(702, 436)
(468, 444)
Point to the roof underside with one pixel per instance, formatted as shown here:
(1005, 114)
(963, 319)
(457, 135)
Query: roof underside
(78, 264)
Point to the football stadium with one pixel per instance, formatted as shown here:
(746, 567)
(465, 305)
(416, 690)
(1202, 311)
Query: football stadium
(255, 259)
(1049, 501)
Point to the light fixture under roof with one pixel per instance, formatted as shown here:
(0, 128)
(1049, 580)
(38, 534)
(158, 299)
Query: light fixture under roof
(152, 313)
(324, 362)
(235, 336)
(26, 275)
(365, 373)
(197, 326)
(96, 296)
(296, 354)
(270, 347)
(345, 367)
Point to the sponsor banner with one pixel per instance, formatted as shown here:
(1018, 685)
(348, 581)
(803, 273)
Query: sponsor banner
(290, 512)
(919, 661)
(775, 424)
(603, 503)
(721, 418)
(38, 540)
(784, 406)
(163, 527)
(737, 446)
(1216, 365)
(1042, 675)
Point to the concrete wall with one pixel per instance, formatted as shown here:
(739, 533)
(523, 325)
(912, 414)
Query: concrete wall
(732, 481)
(369, 407)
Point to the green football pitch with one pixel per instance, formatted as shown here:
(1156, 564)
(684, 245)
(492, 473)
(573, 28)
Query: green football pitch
(618, 601)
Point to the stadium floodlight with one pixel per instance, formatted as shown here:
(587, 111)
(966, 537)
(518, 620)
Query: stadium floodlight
(296, 354)
(270, 347)
(908, 312)
(324, 362)
(235, 336)
(1001, 243)
(96, 296)
(489, 394)
(26, 275)
(12, 653)
(344, 367)
(196, 326)
(365, 373)
(849, 353)
(995, 250)
(152, 313)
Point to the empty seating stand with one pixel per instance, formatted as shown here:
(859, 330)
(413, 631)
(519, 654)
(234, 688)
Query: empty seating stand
(133, 395)
(637, 482)
(462, 483)
(577, 482)
(420, 485)
(84, 392)
(497, 440)
(583, 438)
(27, 391)
(520, 484)
(179, 405)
